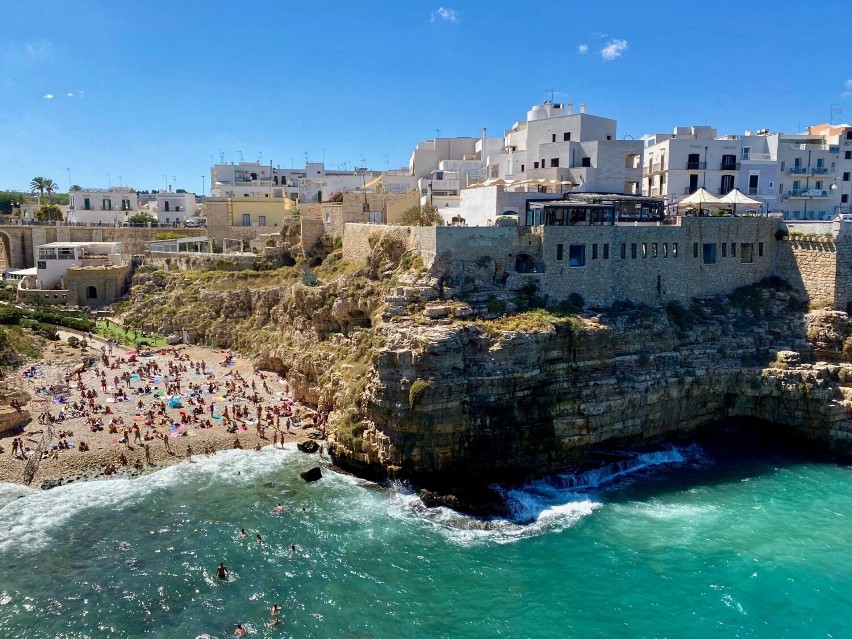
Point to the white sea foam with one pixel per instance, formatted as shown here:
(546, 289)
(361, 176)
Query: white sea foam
(30, 517)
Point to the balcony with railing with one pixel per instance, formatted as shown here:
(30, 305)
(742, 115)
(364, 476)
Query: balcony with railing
(729, 166)
(808, 193)
(752, 190)
(798, 170)
(696, 166)
(757, 157)
(819, 170)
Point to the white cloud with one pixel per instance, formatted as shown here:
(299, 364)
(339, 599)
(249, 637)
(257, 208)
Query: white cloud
(848, 89)
(447, 15)
(47, 96)
(583, 49)
(614, 49)
(38, 50)
(70, 94)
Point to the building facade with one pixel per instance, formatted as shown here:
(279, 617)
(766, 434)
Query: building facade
(174, 207)
(103, 206)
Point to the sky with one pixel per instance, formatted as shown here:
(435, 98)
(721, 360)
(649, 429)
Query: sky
(147, 94)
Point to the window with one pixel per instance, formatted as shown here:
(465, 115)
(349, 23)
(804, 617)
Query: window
(577, 255)
(553, 138)
(594, 251)
(746, 152)
(844, 199)
(87, 204)
(710, 253)
(522, 168)
(606, 251)
(654, 249)
(760, 249)
(674, 249)
(623, 251)
(644, 250)
(846, 176)
(724, 249)
(559, 248)
(782, 165)
(633, 251)
(566, 137)
(586, 162)
(554, 162)
(665, 249)
(246, 219)
(747, 253)
(727, 184)
(535, 165)
(91, 293)
(847, 155)
(695, 249)
(261, 220)
(733, 249)
(106, 205)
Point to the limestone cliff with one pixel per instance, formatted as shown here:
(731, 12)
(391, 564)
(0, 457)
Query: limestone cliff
(449, 375)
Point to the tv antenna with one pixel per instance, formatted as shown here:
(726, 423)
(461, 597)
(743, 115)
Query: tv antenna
(837, 110)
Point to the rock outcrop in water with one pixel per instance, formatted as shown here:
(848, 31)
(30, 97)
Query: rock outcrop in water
(443, 377)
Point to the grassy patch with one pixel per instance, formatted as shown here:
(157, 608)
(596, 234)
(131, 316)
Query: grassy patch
(416, 391)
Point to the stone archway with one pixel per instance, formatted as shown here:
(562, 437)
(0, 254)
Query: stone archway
(5, 252)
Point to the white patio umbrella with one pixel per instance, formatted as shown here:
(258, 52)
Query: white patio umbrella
(702, 197)
(736, 197)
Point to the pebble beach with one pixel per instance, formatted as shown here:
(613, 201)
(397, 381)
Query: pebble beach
(180, 399)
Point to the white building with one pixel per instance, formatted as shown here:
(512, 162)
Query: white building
(102, 206)
(429, 155)
(554, 143)
(54, 259)
(679, 163)
(175, 207)
(312, 184)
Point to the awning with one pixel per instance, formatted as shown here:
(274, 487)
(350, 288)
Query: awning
(702, 197)
(738, 197)
(372, 182)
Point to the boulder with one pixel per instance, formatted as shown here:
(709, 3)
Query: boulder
(309, 446)
(312, 474)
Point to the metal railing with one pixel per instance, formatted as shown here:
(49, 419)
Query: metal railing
(729, 166)
(798, 170)
(696, 166)
(808, 193)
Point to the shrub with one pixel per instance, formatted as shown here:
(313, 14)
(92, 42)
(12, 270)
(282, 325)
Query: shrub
(494, 305)
(416, 391)
(309, 278)
(10, 314)
(73, 342)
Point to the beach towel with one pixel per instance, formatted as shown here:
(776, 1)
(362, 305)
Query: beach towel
(174, 402)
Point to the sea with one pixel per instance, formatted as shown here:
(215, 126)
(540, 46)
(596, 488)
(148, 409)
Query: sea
(732, 537)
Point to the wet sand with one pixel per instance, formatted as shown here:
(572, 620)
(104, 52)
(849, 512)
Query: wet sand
(106, 448)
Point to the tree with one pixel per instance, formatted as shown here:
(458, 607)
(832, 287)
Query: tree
(49, 187)
(39, 184)
(10, 199)
(141, 218)
(76, 187)
(49, 213)
(421, 216)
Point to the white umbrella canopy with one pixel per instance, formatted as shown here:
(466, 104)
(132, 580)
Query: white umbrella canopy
(738, 197)
(701, 197)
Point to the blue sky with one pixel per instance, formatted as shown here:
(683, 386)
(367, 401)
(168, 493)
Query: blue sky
(143, 91)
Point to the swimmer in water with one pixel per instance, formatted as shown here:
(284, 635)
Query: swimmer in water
(292, 548)
(240, 631)
(243, 532)
(275, 610)
(259, 540)
(279, 508)
(273, 623)
(222, 571)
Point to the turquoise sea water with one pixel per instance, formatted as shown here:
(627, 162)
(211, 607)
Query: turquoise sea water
(702, 541)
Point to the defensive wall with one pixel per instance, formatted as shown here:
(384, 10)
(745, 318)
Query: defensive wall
(647, 263)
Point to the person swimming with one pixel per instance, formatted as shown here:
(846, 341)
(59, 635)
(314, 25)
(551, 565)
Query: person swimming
(279, 508)
(243, 532)
(240, 631)
(222, 571)
(275, 610)
(259, 540)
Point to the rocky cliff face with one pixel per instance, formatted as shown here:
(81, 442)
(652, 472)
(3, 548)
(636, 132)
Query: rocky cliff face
(446, 387)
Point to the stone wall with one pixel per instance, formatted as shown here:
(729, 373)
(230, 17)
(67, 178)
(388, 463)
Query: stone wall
(201, 261)
(109, 284)
(810, 266)
(356, 240)
(652, 264)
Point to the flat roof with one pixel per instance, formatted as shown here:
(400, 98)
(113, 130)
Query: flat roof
(75, 244)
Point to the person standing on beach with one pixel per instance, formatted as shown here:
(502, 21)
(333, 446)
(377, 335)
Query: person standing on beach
(188, 453)
(147, 454)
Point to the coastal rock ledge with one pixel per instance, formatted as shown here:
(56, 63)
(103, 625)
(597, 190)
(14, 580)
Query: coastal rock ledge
(463, 403)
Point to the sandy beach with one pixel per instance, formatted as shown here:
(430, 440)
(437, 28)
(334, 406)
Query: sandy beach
(168, 401)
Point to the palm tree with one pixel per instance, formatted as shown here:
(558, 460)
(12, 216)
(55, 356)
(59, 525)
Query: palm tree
(38, 184)
(49, 187)
(76, 187)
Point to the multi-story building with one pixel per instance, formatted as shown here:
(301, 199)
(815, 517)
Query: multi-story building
(839, 136)
(554, 143)
(678, 164)
(807, 184)
(102, 206)
(175, 207)
(312, 184)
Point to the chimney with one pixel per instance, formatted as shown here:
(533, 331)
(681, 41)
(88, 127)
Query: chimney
(583, 108)
(570, 108)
